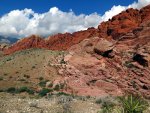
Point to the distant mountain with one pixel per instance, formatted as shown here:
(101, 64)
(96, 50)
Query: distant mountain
(7, 40)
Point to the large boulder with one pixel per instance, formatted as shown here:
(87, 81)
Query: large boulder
(104, 47)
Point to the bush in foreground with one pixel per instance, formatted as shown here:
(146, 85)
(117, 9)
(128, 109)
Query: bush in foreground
(133, 104)
(128, 104)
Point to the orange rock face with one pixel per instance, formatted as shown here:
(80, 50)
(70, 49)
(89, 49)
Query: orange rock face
(26, 43)
(55, 42)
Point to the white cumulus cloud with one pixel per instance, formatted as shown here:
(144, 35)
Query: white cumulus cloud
(21, 23)
(25, 22)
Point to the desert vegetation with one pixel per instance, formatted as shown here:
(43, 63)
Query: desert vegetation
(124, 104)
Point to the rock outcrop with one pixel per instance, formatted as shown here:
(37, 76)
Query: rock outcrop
(89, 72)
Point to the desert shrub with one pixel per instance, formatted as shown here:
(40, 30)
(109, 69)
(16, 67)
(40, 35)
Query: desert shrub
(5, 74)
(1, 78)
(129, 64)
(22, 79)
(62, 85)
(25, 89)
(27, 76)
(83, 98)
(41, 78)
(133, 104)
(118, 109)
(107, 107)
(50, 85)
(11, 90)
(16, 72)
(57, 87)
(33, 67)
(43, 83)
(1, 90)
(64, 99)
(30, 91)
(44, 92)
(22, 89)
(8, 59)
(66, 108)
(127, 104)
(62, 93)
(98, 101)
(107, 104)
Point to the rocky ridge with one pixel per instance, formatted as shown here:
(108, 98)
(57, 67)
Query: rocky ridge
(113, 29)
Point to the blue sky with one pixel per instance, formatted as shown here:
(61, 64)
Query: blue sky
(78, 6)
(21, 18)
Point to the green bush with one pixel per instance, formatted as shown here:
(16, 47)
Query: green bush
(11, 90)
(62, 93)
(107, 104)
(127, 104)
(107, 107)
(25, 89)
(61, 86)
(133, 104)
(41, 78)
(44, 91)
(98, 101)
(30, 91)
(50, 85)
(1, 78)
(43, 83)
(57, 87)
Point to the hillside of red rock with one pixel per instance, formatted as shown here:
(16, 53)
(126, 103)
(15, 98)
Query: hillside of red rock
(99, 67)
(55, 42)
(113, 29)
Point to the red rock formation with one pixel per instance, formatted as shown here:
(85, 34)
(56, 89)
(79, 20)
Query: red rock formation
(26, 43)
(119, 25)
(55, 42)
(124, 22)
(89, 73)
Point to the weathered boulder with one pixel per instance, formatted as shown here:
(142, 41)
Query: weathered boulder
(104, 48)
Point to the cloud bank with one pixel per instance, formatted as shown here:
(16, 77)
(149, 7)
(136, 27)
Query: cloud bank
(21, 23)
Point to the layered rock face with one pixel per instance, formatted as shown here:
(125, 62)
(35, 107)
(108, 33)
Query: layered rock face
(115, 68)
(123, 23)
(116, 27)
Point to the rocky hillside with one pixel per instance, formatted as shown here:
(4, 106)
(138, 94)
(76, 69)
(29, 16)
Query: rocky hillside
(113, 29)
(55, 42)
(111, 60)
(97, 66)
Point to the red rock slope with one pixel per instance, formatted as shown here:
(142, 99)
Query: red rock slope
(112, 29)
(98, 67)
